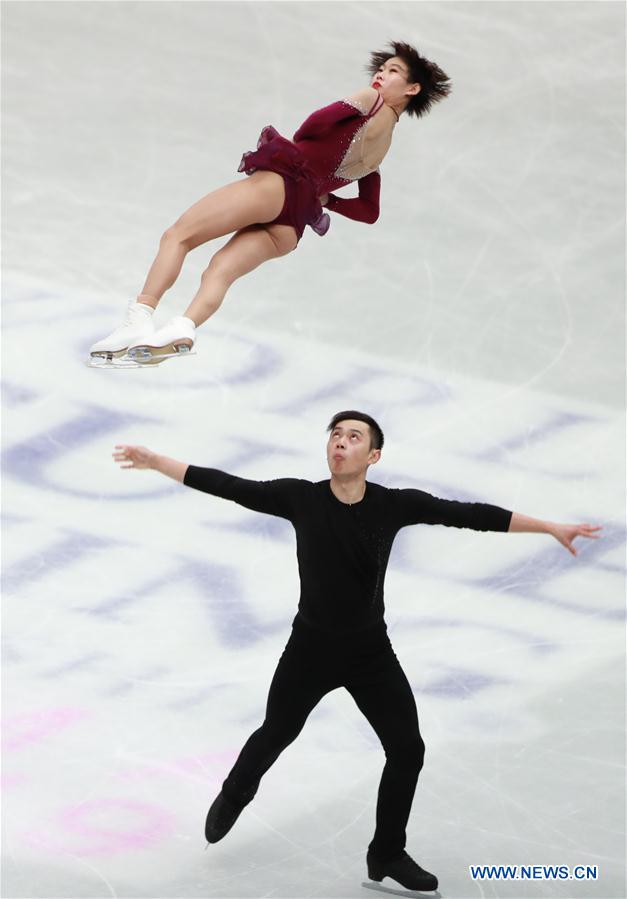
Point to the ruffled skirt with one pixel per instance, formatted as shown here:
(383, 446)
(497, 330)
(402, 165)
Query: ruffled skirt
(302, 207)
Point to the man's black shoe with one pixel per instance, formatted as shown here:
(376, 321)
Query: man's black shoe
(404, 870)
(221, 817)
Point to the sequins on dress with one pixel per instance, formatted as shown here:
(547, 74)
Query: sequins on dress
(326, 153)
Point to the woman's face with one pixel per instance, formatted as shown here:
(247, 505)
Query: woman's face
(391, 80)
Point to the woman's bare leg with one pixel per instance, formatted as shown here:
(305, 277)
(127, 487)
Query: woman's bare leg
(256, 199)
(241, 254)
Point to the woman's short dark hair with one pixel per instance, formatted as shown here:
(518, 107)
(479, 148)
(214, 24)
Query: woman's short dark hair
(434, 83)
(376, 434)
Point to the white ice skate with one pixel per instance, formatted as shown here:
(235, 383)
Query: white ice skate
(111, 351)
(175, 338)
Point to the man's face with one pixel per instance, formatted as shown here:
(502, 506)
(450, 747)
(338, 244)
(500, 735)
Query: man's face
(348, 449)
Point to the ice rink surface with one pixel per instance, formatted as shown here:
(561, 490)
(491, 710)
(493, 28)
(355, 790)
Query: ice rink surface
(480, 319)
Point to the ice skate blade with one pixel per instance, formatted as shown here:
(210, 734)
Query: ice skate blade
(111, 360)
(149, 355)
(400, 891)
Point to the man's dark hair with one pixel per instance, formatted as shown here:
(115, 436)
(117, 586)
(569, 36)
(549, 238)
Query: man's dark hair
(376, 434)
(434, 83)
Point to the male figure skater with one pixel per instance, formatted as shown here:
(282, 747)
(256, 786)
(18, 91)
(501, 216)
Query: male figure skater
(345, 528)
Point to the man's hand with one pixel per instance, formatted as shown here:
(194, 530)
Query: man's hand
(134, 456)
(140, 457)
(566, 533)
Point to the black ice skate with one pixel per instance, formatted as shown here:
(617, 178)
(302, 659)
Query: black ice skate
(221, 817)
(404, 870)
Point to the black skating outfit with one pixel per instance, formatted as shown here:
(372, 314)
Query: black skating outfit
(339, 637)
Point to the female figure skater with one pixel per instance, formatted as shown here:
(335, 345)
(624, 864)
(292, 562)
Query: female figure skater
(345, 528)
(289, 183)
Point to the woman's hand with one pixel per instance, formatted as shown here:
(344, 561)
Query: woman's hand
(566, 533)
(134, 456)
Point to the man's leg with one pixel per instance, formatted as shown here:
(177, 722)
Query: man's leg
(297, 687)
(383, 694)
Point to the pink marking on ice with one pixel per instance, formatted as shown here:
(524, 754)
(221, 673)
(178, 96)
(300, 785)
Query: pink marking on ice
(8, 781)
(104, 827)
(209, 767)
(21, 730)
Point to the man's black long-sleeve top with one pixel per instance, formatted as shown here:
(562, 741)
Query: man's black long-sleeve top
(343, 549)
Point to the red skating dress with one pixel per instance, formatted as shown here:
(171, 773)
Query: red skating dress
(317, 161)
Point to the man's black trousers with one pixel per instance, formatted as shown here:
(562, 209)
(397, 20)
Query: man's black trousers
(312, 664)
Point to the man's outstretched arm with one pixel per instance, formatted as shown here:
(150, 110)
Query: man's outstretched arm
(564, 533)
(277, 497)
(419, 507)
(140, 457)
